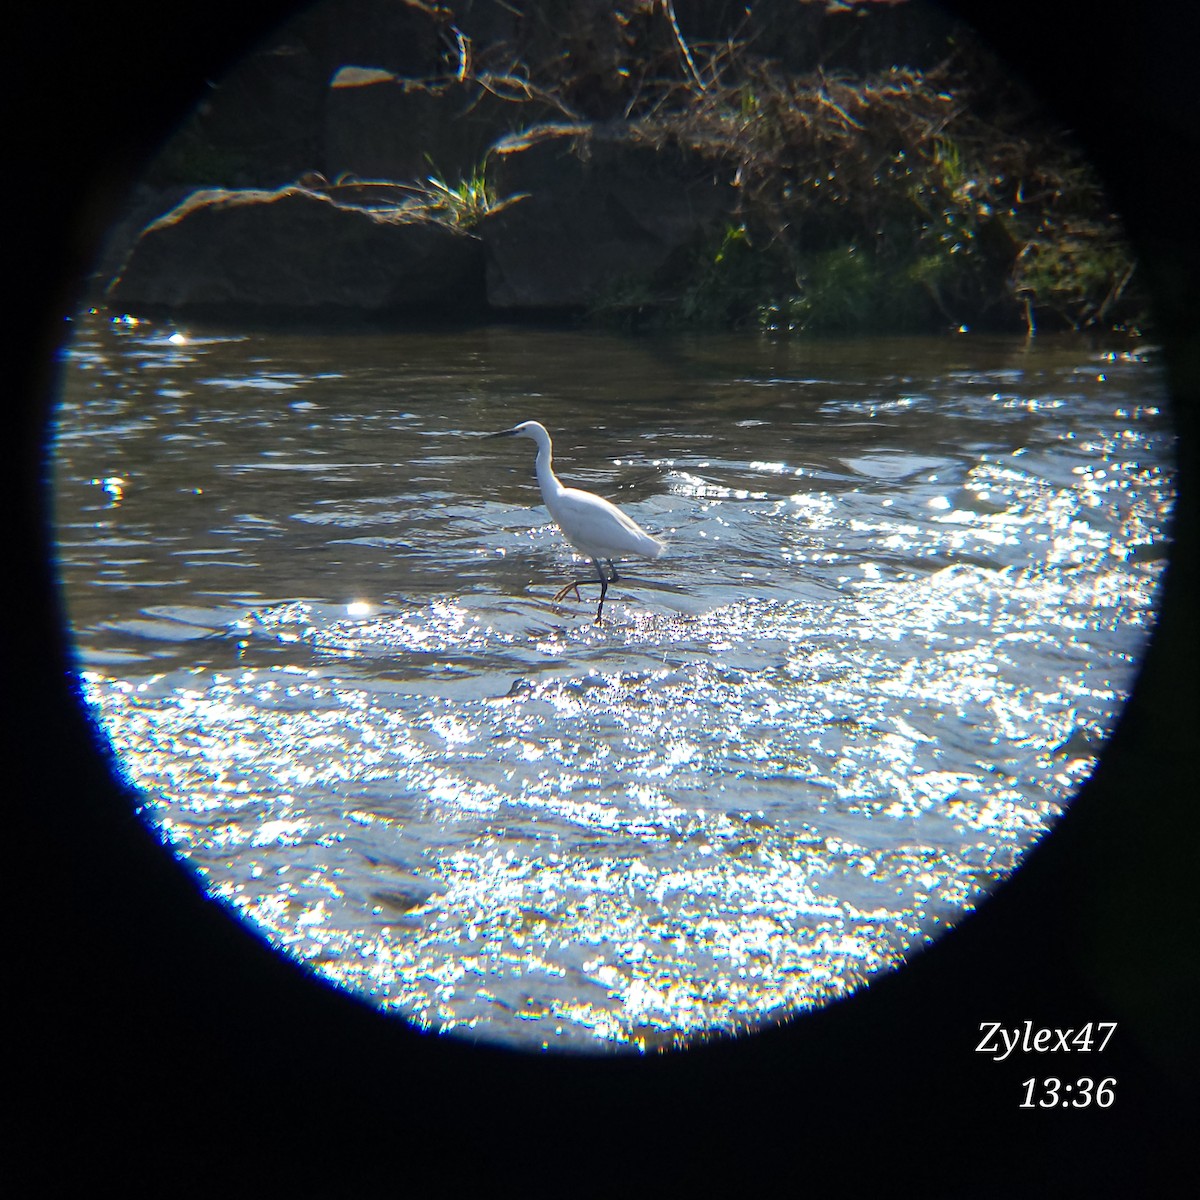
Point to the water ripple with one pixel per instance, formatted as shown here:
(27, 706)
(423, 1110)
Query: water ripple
(898, 617)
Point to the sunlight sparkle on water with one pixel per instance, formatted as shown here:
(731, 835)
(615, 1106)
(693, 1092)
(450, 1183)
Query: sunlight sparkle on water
(804, 742)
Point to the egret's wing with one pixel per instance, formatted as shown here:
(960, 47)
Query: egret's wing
(598, 527)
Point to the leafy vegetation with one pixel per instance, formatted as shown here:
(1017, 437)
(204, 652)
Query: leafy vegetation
(885, 203)
(462, 203)
(898, 199)
(866, 197)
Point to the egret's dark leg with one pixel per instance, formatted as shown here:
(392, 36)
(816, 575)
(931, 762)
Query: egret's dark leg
(603, 586)
(571, 585)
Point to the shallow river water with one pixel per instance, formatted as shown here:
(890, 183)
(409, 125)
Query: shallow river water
(907, 587)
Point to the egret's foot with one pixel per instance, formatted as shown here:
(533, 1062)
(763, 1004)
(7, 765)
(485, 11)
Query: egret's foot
(561, 594)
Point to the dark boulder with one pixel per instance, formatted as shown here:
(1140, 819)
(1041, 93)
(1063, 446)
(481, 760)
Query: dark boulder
(297, 253)
(382, 126)
(260, 125)
(591, 208)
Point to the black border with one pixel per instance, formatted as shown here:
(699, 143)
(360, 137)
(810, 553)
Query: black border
(153, 1033)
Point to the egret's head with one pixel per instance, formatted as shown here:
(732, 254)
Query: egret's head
(527, 429)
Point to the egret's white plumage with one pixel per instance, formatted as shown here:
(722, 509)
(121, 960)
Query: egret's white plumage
(597, 528)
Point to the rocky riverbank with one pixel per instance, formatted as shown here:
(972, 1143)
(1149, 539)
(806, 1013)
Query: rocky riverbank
(862, 167)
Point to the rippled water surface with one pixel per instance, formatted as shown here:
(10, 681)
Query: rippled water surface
(907, 587)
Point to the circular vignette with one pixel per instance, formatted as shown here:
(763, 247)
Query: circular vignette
(149, 967)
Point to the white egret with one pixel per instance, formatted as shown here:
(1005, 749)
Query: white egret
(598, 529)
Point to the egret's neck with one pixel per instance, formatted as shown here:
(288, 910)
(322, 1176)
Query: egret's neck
(547, 480)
